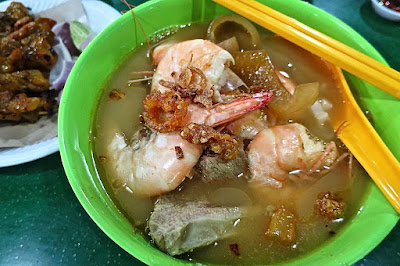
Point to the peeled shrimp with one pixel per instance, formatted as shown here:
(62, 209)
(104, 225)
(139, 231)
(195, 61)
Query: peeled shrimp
(281, 152)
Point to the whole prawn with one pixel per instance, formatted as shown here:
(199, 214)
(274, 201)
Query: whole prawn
(281, 152)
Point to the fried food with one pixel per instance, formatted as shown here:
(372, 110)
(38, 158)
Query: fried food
(219, 143)
(330, 206)
(17, 107)
(24, 80)
(26, 58)
(164, 112)
(192, 83)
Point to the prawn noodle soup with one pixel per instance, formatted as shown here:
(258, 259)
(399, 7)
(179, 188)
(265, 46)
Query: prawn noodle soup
(226, 155)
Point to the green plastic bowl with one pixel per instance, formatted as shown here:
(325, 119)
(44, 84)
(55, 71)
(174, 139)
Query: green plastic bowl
(98, 62)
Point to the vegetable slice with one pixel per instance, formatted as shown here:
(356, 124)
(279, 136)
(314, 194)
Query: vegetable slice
(79, 32)
(62, 30)
(304, 96)
(227, 26)
(256, 70)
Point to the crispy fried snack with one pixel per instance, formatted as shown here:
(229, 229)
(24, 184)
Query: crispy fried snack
(220, 143)
(192, 83)
(164, 112)
(330, 206)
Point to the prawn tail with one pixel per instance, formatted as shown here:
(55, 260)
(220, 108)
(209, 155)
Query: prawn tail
(229, 111)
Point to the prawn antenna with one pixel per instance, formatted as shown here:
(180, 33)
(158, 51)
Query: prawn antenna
(140, 25)
(340, 128)
(319, 162)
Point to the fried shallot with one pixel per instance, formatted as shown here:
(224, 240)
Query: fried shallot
(330, 206)
(220, 143)
(192, 83)
(164, 112)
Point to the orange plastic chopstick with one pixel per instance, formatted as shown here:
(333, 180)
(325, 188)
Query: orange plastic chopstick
(335, 52)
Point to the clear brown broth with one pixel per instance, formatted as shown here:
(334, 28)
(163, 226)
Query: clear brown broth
(302, 67)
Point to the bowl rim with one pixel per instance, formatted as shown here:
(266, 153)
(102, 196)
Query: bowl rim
(66, 143)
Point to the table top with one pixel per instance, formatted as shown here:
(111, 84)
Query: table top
(43, 223)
